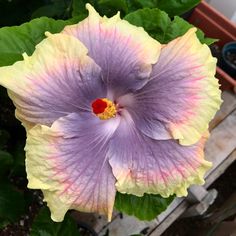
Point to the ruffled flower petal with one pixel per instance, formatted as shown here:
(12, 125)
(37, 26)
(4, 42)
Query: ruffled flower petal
(144, 165)
(68, 161)
(59, 78)
(182, 95)
(123, 51)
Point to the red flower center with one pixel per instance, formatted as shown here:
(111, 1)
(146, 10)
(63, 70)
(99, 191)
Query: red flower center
(99, 106)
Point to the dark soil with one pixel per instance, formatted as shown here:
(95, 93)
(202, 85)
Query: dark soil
(22, 227)
(231, 57)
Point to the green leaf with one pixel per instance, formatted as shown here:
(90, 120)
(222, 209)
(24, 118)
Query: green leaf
(4, 137)
(56, 9)
(176, 7)
(44, 226)
(172, 7)
(103, 7)
(78, 8)
(114, 5)
(158, 24)
(9, 58)
(154, 21)
(51, 10)
(179, 27)
(18, 154)
(144, 3)
(12, 204)
(6, 162)
(19, 39)
(144, 208)
(4, 223)
(203, 39)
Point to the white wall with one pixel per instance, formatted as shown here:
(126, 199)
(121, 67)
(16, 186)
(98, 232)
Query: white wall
(227, 7)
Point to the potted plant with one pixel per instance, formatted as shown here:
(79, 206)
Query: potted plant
(215, 25)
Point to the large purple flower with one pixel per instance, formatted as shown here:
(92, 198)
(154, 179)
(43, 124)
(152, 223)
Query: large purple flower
(108, 108)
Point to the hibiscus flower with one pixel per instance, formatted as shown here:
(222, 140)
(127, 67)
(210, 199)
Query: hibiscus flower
(107, 108)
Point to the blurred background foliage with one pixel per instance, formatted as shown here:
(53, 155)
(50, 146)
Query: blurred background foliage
(16, 12)
(22, 26)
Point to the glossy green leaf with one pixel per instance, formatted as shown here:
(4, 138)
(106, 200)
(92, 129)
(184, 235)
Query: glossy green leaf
(12, 204)
(44, 226)
(179, 27)
(159, 25)
(144, 208)
(203, 39)
(9, 58)
(154, 21)
(176, 7)
(6, 162)
(19, 39)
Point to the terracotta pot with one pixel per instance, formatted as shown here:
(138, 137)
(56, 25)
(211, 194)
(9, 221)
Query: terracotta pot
(226, 81)
(215, 25)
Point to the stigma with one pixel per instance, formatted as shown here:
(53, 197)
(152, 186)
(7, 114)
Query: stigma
(104, 108)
